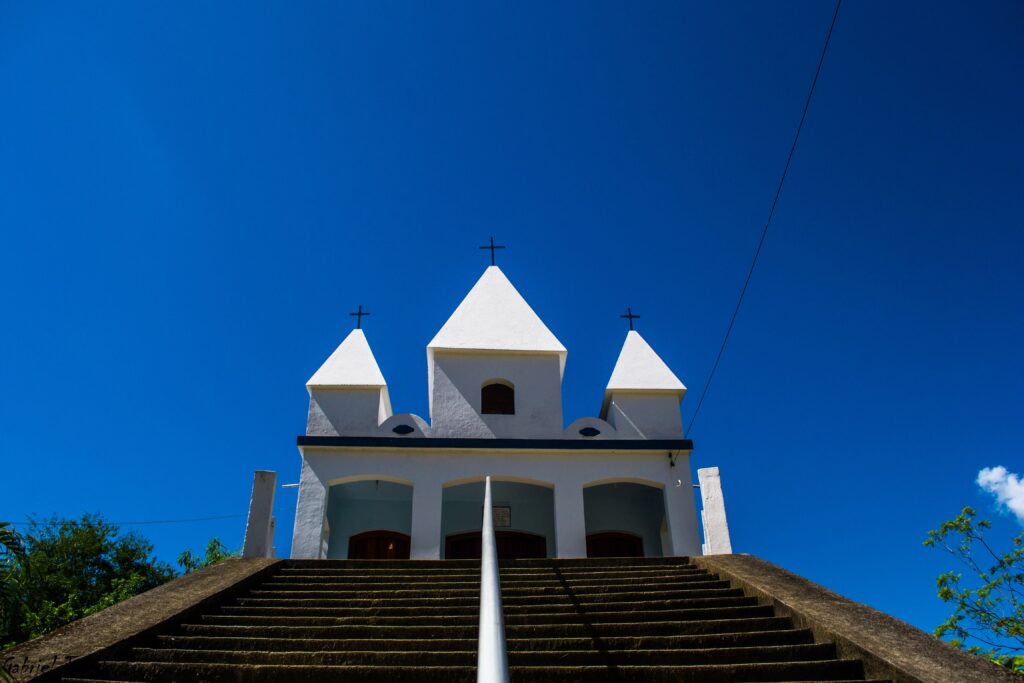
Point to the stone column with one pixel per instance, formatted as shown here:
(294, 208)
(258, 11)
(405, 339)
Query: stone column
(426, 520)
(681, 513)
(310, 512)
(259, 540)
(570, 524)
(716, 527)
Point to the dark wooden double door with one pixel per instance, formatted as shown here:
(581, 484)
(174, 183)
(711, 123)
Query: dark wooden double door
(379, 545)
(512, 545)
(614, 544)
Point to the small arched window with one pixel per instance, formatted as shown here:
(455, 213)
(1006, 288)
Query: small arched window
(498, 397)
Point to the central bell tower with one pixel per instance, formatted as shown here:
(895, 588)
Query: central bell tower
(494, 368)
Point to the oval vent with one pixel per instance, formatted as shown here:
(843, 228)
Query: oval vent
(403, 430)
(590, 431)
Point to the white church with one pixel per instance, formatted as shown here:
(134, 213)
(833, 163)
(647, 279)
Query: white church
(379, 485)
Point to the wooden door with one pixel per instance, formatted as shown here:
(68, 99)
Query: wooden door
(512, 545)
(615, 544)
(379, 545)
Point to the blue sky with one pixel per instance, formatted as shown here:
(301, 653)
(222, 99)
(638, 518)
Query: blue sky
(195, 195)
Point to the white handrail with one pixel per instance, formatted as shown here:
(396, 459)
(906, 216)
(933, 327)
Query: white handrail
(491, 656)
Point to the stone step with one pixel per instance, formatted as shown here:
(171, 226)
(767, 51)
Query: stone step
(370, 582)
(473, 589)
(509, 597)
(286, 616)
(467, 656)
(277, 629)
(509, 574)
(827, 670)
(341, 607)
(741, 639)
(421, 565)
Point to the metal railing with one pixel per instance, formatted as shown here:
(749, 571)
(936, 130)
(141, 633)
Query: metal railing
(491, 657)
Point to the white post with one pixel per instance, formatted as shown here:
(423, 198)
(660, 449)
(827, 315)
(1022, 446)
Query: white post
(425, 543)
(310, 516)
(491, 657)
(258, 530)
(570, 522)
(716, 527)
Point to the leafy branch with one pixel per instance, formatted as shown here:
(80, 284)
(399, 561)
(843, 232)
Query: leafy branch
(988, 609)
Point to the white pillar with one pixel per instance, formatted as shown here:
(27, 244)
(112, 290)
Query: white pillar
(426, 520)
(681, 513)
(258, 539)
(570, 523)
(310, 511)
(716, 527)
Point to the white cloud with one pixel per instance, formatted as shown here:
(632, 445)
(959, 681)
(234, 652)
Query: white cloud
(1007, 487)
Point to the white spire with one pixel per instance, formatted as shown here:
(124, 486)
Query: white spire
(351, 365)
(639, 368)
(495, 317)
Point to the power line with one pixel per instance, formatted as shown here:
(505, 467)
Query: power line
(771, 213)
(162, 521)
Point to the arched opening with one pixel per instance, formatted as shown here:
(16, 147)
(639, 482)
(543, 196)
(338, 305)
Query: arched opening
(497, 397)
(369, 520)
(624, 519)
(524, 520)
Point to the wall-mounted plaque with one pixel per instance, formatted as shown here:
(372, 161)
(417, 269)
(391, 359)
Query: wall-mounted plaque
(502, 516)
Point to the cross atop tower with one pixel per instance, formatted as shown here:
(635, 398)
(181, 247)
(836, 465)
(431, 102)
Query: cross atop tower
(630, 316)
(359, 316)
(492, 247)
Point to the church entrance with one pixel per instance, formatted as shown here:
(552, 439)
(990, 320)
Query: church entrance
(614, 544)
(369, 519)
(379, 545)
(524, 519)
(624, 519)
(512, 545)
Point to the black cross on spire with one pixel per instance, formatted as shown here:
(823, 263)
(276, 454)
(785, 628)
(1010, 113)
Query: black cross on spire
(492, 247)
(359, 316)
(630, 316)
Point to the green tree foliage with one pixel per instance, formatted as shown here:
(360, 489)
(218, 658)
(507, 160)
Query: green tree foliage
(72, 568)
(988, 606)
(215, 552)
(12, 563)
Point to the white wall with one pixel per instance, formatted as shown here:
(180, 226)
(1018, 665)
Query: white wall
(345, 412)
(645, 416)
(455, 401)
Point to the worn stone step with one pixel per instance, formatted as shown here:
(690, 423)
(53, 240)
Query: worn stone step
(373, 584)
(332, 607)
(421, 565)
(275, 628)
(829, 670)
(512, 574)
(467, 656)
(509, 597)
(283, 615)
(742, 639)
(347, 590)
(474, 585)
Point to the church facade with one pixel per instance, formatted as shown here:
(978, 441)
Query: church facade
(379, 485)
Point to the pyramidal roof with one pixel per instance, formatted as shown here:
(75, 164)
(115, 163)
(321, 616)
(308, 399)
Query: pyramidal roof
(495, 317)
(351, 365)
(639, 368)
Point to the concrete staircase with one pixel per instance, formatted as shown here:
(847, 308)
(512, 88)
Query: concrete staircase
(566, 620)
